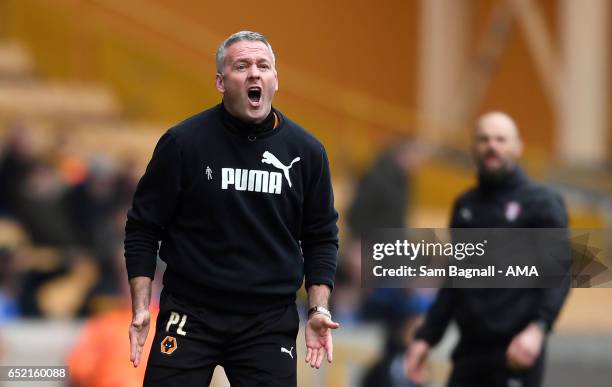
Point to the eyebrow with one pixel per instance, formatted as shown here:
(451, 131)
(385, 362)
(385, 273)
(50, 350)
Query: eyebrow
(248, 59)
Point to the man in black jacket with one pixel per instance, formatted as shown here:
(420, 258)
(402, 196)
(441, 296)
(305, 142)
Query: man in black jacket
(241, 199)
(502, 331)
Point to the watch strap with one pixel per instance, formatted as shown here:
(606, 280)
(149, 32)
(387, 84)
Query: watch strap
(320, 310)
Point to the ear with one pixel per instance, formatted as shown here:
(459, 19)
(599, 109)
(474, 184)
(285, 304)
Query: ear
(219, 83)
(519, 148)
(276, 77)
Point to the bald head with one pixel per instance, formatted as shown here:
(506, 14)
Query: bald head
(500, 121)
(497, 144)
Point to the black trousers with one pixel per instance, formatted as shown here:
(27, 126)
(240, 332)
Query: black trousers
(487, 368)
(190, 341)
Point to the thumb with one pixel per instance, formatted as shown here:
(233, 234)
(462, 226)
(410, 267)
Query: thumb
(331, 324)
(138, 320)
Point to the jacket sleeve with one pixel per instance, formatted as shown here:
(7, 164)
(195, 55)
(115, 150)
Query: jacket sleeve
(438, 317)
(552, 214)
(319, 230)
(153, 207)
(441, 312)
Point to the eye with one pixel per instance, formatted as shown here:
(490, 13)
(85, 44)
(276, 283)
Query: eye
(240, 66)
(264, 66)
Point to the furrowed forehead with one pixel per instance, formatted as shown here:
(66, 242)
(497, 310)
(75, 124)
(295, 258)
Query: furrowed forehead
(248, 50)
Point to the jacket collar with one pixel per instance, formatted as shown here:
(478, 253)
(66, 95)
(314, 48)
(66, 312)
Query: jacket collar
(508, 180)
(247, 129)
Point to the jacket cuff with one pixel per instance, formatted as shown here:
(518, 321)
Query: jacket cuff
(141, 268)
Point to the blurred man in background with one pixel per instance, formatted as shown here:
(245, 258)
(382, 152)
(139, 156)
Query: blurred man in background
(382, 199)
(241, 199)
(502, 331)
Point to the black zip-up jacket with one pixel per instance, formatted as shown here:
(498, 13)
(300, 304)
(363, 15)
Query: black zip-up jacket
(492, 317)
(243, 212)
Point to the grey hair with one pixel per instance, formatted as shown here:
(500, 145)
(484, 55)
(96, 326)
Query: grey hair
(238, 37)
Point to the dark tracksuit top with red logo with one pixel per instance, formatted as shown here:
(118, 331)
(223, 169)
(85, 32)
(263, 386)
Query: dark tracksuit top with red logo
(244, 212)
(492, 317)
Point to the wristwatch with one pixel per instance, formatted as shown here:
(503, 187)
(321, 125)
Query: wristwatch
(320, 310)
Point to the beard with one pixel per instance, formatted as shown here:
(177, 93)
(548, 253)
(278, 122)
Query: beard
(494, 174)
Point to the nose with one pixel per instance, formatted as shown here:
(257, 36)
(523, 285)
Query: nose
(254, 71)
(491, 144)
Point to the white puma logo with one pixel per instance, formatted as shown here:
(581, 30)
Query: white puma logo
(287, 351)
(269, 158)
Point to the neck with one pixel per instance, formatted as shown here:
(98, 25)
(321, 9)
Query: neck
(501, 179)
(266, 124)
(246, 121)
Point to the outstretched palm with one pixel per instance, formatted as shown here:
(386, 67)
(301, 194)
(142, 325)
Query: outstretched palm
(319, 339)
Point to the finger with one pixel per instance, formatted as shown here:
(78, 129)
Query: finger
(316, 357)
(142, 337)
(133, 347)
(330, 350)
(313, 358)
(332, 324)
(137, 360)
(320, 355)
(309, 355)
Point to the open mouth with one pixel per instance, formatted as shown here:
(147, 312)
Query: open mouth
(254, 94)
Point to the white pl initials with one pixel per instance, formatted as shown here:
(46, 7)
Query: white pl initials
(174, 319)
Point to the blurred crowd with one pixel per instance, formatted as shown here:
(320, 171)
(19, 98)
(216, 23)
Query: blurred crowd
(61, 227)
(381, 199)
